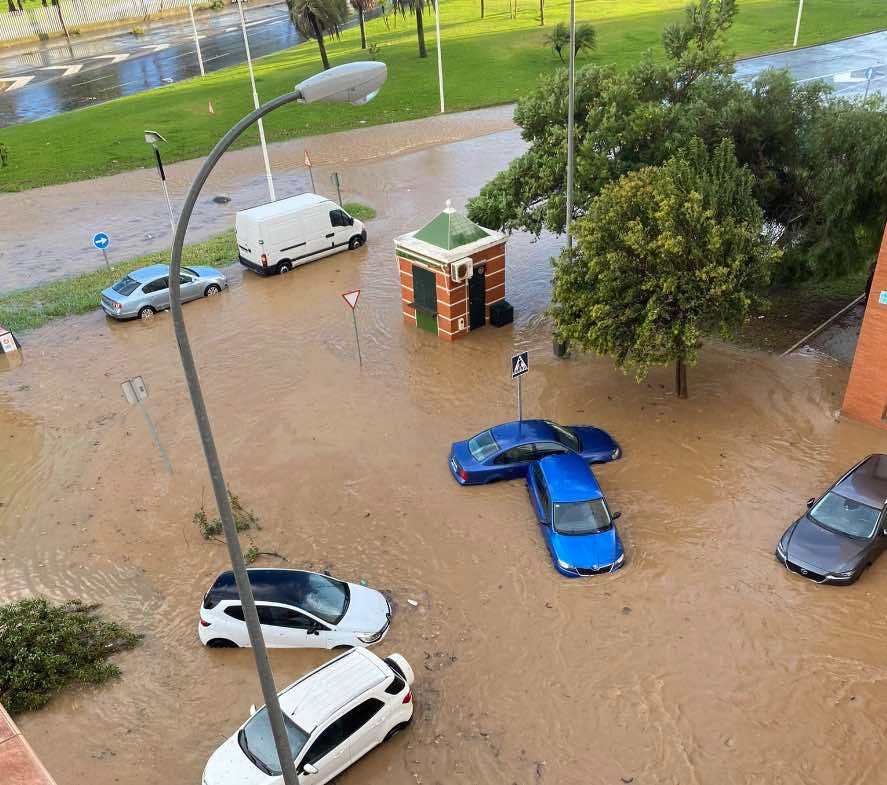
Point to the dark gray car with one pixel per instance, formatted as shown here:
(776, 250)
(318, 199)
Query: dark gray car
(844, 531)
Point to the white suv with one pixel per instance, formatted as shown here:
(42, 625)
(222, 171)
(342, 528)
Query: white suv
(296, 608)
(334, 716)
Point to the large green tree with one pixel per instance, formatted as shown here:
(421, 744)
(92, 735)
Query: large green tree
(362, 6)
(316, 18)
(665, 256)
(416, 7)
(819, 164)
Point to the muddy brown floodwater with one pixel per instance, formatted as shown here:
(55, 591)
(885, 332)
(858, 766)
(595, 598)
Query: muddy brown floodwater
(700, 662)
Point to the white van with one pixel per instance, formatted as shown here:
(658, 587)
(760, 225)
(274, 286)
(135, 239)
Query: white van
(275, 237)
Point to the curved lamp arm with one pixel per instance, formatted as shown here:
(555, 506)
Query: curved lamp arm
(251, 617)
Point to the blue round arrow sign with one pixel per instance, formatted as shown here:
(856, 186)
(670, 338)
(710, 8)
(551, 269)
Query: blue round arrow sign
(101, 241)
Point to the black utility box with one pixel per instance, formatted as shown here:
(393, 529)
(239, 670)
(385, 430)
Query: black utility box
(501, 313)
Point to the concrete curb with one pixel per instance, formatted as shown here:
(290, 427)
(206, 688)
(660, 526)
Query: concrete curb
(19, 764)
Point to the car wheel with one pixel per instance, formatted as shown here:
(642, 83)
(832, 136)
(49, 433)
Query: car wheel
(395, 730)
(147, 312)
(355, 242)
(221, 643)
(211, 290)
(283, 268)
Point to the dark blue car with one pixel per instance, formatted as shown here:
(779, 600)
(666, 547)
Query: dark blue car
(576, 523)
(504, 451)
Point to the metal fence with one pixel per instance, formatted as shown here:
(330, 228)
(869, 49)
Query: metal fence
(36, 23)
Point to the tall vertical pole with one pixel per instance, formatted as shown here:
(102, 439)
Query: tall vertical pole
(439, 56)
(357, 338)
(520, 401)
(196, 38)
(571, 106)
(172, 218)
(105, 255)
(798, 23)
(252, 79)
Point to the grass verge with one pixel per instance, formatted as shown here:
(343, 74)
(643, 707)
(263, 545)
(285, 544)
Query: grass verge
(507, 52)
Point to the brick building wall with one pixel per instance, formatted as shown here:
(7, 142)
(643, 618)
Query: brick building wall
(866, 395)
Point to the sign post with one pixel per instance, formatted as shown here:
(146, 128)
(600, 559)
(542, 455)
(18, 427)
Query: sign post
(135, 392)
(101, 241)
(351, 299)
(334, 179)
(520, 364)
(869, 73)
(310, 172)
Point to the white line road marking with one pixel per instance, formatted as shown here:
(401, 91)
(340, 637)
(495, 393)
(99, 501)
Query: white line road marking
(156, 47)
(113, 58)
(69, 70)
(16, 82)
(229, 29)
(847, 76)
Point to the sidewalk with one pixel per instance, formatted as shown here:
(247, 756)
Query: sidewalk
(48, 231)
(18, 763)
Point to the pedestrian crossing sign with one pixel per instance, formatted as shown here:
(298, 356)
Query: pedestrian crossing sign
(520, 364)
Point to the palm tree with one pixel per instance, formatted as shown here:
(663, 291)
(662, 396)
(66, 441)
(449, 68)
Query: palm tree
(362, 6)
(315, 18)
(559, 39)
(415, 7)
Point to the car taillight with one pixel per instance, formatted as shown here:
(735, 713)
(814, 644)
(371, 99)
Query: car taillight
(204, 623)
(118, 306)
(408, 697)
(463, 474)
(264, 260)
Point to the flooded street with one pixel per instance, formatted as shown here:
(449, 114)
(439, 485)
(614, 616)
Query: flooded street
(702, 661)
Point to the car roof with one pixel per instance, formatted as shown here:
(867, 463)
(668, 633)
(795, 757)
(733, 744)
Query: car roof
(521, 431)
(145, 274)
(287, 587)
(321, 693)
(866, 482)
(569, 479)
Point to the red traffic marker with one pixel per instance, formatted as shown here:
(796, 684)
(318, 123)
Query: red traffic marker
(351, 298)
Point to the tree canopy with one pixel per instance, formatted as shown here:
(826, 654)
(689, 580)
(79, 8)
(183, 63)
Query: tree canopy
(664, 256)
(819, 162)
(316, 18)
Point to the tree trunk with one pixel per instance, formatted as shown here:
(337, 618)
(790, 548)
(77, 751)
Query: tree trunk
(680, 378)
(363, 35)
(12, 8)
(481, 9)
(542, 12)
(420, 31)
(318, 34)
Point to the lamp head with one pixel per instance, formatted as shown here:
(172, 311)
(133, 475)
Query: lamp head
(355, 83)
(152, 137)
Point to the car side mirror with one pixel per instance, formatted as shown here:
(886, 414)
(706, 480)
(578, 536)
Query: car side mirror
(350, 221)
(314, 628)
(252, 710)
(615, 516)
(884, 532)
(810, 503)
(307, 768)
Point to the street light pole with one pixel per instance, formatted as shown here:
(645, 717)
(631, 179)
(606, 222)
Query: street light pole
(798, 23)
(439, 56)
(571, 108)
(252, 79)
(196, 38)
(152, 138)
(354, 82)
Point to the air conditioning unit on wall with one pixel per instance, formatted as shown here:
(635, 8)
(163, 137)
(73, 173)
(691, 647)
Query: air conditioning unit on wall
(461, 270)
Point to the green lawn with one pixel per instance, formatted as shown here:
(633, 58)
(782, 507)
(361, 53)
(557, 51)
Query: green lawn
(486, 62)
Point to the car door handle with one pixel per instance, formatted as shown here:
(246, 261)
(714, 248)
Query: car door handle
(331, 234)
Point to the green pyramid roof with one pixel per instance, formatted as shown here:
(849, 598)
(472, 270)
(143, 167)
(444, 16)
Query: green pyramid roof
(449, 230)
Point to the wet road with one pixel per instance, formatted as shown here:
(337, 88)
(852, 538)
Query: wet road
(51, 79)
(701, 662)
(852, 67)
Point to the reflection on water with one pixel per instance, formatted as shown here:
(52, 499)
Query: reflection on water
(700, 662)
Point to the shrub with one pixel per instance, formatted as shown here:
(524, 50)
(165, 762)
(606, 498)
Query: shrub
(45, 648)
(4, 155)
(137, 31)
(243, 519)
(373, 51)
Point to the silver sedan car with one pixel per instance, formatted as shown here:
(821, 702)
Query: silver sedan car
(144, 292)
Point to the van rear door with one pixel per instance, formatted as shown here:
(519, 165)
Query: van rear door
(248, 246)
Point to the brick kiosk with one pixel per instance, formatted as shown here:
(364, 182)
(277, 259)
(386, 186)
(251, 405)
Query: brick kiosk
(451, 272)
(866, 395)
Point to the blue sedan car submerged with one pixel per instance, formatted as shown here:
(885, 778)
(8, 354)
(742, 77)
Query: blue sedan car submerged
(576, 523)
(504, 451)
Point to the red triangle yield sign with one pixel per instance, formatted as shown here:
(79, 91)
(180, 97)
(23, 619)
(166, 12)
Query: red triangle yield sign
(351, 298)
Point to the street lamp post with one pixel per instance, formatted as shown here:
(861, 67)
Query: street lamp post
(571, 110)
(355, 83)
(439, 56)
(252, 80)
(196, 38)
(798, 23)
(152, 138)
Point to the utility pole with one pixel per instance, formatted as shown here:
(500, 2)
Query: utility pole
(798, 23)
(196, 38)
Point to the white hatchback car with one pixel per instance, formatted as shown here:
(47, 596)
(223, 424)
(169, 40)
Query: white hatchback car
(296, 608)
(334, 716)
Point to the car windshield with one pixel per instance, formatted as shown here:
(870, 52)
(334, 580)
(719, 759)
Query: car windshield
(483, 446)
(257, 742)
(586, 517)
(326, 598)
(126, 286)
(564, 436)
(845, 515)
